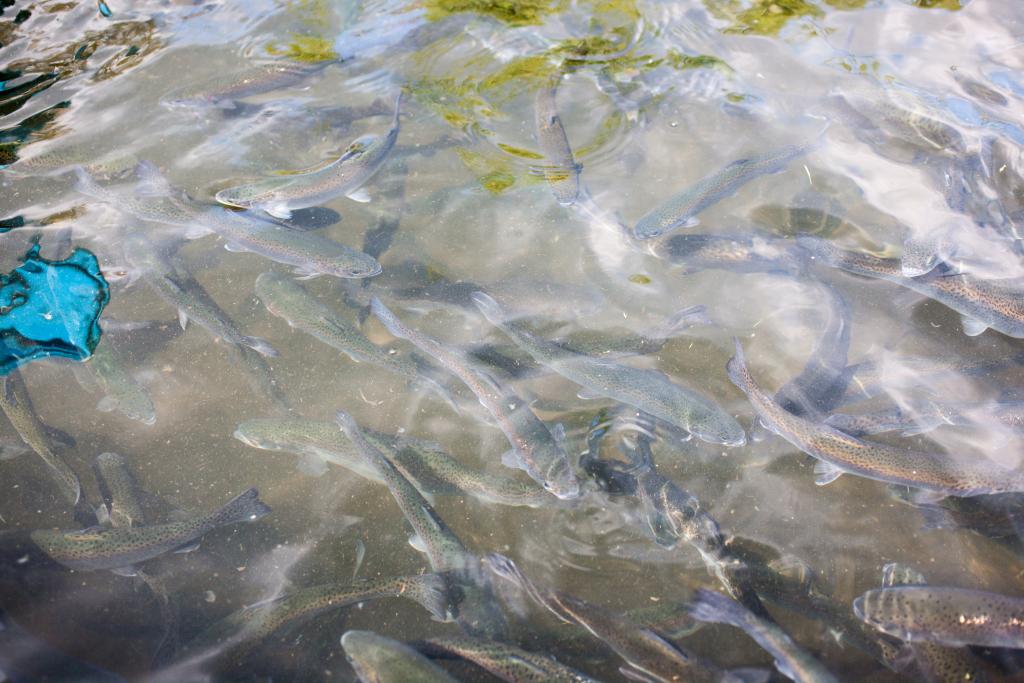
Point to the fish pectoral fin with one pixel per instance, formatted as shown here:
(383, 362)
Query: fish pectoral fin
(278, 210)
(972, 326)
(825, 473)
(588, 394)
(312, 465)
(511, 460)
(234, 248)
(187, 547)
(416, 541)
(182, 318)
(359, 195)
(107, 404)
(129, 570)
(926, 497)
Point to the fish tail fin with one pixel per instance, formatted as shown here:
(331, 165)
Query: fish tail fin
(245, 507)
(347, 423)
(488, 307)
(714, 607)
(683, 320)
(260, 346)
(737, 367)
(505, 568)
(439, 390)
(431, 592)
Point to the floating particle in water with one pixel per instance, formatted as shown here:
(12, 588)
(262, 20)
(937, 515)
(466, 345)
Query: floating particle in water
(51, 308)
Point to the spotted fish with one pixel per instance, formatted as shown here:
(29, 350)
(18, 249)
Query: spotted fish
(377, 659)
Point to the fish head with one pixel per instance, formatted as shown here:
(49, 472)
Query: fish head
(561, 481)
(359, 147)
(258, 434)
(721, 429)
(361, 266)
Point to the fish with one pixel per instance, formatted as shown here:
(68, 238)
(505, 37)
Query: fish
(477, 612)
(562, 170)
(648, 390)
(838, 453)
(681, 209)
(287, 300)
(432, 469)
(923, 417)
(24, 658)
(873, 121)
(535, 449)
(944, 615)
(790, 659)
(649, 656)
(121, 548)
(242, 630)
(166, 279)
(935, 663)
(981, 303)
(17, 406)
(505, 661)
(224, 90)
(377, 659)
(733, 253)
(56, 159)
(121, 393)
(119, 491)
(280, 195)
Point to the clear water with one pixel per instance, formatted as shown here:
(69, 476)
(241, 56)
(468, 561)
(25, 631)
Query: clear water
(653, 96)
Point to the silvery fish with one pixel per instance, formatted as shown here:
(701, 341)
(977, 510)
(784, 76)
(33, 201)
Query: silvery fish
(281, 195)
(935, 663)
(163, 276)
(119, 491)
(649, 655)
(869, 118)
(534, 448)
(507, 662)
(478, 613)
(433, 470)
(790, 659)
(562, 171)
(17, 406)
(120, 548)
(944, 615)
(53, 159)
(839, 453)
(922, 417)
(286, 299)
(223, 90)
(121, 393)
(738, 254)
(981, 303)
(681, 210)
(244, 629)
(377, 659)
(649, 390)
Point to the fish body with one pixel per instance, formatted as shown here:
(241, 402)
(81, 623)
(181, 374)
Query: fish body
(223, 90)
(649, 390)
(562, 171)
(432, 469)
(164, 277)
(377, 659)
(59, 158)
(682, 209)
(926, 417)
(119, 490)
(737, 254)
(790, 659)
(981, 303)
(116, 548)
(944, 615)
(248, 626)
(839, 452)
(121, 392)
(535, 449)
(17, 406)
(507, 662)
(279, 196)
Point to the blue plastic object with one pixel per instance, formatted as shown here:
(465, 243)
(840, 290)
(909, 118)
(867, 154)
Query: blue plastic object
(51, 308)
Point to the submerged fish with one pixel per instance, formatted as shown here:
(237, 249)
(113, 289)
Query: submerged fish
(981, 303)
(681, 210)
(945, 615)
(25, 658)
(281, 195)
(935, 663)
(119, 490)
(738, 254)
(790, 659)
(121, 392)
(17, 406)
(507, 662)
(433, 470)
(649, 390)
(924, 417)
(287, 300)
(377, 659)
(120, 548)
(534, 448)
(166, 279)
(244, 629)
(840, 453)
(562, 171)
(478, 612)
(223, 90)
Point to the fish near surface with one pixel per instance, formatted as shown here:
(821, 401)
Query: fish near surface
(281, 195)
(223, 90)
(981, 303)
(649, 390)
(562, 171)
(505, 661)
(735, 253)
(119, 490)
(377, 659)
(121, 392)
(839, 453)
